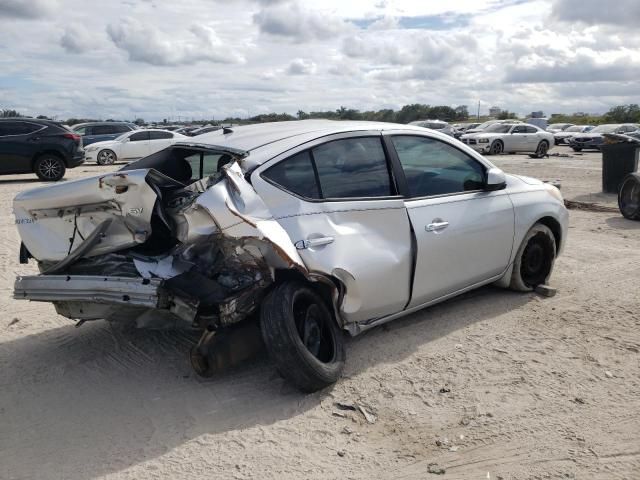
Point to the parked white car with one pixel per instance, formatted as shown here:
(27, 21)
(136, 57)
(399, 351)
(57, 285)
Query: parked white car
(131, 146)
(564, 137)
(301, 230)
(511, 138)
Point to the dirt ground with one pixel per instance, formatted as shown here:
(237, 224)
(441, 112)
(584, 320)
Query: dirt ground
(487, 386)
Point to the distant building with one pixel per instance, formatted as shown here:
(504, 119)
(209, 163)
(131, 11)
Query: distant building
(580, 114)
(539, 114)
(495, 111)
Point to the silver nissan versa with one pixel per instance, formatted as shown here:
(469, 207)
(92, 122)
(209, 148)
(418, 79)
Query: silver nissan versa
(298, 230)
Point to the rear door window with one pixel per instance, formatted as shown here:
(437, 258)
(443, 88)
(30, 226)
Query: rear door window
(341, 169)
(531, 129)
(160, 135)
(139, 137)
(353, 168)
(296, 174)
(18, 128)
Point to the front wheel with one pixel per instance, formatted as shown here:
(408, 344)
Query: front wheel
(496, 148)
(576, 149)
(49, 168)
(302, 337)
(534, 260)
(629, 197)
(106, 157)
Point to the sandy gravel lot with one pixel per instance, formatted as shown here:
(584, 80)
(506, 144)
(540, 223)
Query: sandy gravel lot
(487, 386)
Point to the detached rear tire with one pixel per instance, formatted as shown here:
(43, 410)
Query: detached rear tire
(302, 337)
(49, 168)
(629, 197)
(534, 260)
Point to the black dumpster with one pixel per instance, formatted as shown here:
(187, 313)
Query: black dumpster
(618, 161)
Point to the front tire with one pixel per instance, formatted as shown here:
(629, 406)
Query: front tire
(302, 337)
(49, 168)
(534, 260)
(576, 149)
(496, 148)
(106, 157)
(629, 197)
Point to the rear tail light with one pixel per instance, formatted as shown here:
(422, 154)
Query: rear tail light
(73, 136)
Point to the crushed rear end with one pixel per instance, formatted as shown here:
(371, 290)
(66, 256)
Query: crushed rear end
(146, 245)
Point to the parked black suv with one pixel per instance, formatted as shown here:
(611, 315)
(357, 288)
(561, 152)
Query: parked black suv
(101, 131)
(43, 147)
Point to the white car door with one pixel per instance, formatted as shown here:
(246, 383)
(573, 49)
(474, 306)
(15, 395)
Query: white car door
(136, 147)
(337, 201)
(464, 234)
(159, 140)
(519, 139)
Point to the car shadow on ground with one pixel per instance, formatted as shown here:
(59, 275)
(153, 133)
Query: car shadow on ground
(621, 223)
(9, 181)
(90, 401)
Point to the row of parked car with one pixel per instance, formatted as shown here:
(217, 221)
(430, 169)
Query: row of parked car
(48, 148)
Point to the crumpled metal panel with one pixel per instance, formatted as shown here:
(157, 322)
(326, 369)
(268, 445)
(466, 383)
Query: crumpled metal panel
(48, 217)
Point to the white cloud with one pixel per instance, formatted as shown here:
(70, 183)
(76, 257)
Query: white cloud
(301, 66)
(147, 44)
(204, 58)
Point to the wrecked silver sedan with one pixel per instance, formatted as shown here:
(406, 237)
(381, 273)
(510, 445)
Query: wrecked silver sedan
(306, 229)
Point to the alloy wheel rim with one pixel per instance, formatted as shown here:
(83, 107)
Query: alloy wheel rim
(106, 157)
(50, 168)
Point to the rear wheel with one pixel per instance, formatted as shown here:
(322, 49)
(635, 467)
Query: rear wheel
(629, 197)
(496, 148)
(576, 149)
(534, 260)
(543, 148)
(49, 168)
(106, 157)
(302, 337)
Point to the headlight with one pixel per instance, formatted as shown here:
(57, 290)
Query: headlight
(555, 193)
(91, 149)
(483, 140)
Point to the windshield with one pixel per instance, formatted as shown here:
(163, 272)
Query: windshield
(484, 125)
(498, 128)
(605, 129)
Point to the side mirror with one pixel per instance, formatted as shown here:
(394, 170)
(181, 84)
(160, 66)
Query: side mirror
(496, 180)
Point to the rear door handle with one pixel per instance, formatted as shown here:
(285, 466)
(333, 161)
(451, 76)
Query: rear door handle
(436, 226)
(314, 242)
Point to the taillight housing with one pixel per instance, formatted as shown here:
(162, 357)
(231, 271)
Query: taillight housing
(73, 136)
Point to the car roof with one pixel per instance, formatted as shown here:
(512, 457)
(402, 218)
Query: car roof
(263, 141)
(85, 124)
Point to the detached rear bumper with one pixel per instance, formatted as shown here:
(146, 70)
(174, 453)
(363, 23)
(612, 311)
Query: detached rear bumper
(137, 292)
(88, 297)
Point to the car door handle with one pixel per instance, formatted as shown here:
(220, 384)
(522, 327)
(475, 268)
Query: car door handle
(314, 242)
(436, 226)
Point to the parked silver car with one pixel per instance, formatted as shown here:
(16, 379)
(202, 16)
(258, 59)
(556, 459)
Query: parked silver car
(313, 227)
(558, 127)
(510, 137)
(483, 126)
(439, 125)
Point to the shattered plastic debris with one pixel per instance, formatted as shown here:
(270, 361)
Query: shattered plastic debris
(165, 267)
(369, 417)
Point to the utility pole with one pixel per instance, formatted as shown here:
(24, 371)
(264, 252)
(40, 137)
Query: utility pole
(478, 110)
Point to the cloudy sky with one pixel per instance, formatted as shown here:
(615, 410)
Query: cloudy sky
(214, 58)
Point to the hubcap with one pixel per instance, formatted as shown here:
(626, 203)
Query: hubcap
(106, 157)
(50, 168)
